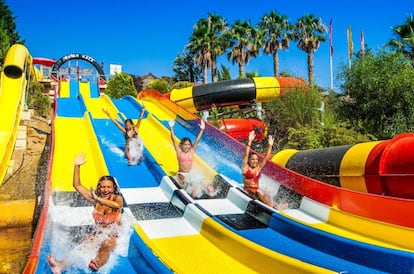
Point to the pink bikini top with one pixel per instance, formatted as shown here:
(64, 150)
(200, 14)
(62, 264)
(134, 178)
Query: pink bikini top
(182, 157)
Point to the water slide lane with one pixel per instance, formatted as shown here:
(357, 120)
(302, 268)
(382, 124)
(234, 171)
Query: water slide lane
(381, 239)
(63, 89)
(12, 92)
(65, 211)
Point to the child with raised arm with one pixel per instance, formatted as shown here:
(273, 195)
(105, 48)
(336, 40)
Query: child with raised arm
(185, 154)
(251, 171)
(133, 143)
(108, 204)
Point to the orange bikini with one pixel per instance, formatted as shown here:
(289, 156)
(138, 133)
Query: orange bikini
(107, 218)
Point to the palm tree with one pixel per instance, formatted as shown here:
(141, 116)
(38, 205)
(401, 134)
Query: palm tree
(207, 42)
(309, 31)
(246, 41)
(405, 38)
(199, 47)
(277, 36)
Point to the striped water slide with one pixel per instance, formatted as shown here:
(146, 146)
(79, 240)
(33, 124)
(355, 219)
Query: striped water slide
(167, 218)
(159, 245)
(340, 225)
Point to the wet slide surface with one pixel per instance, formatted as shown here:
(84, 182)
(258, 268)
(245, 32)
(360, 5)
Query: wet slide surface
(169, 226)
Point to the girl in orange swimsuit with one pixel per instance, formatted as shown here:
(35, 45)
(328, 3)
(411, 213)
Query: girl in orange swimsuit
(251, 171)
(108, 205)
(133, 143)
(185, 154)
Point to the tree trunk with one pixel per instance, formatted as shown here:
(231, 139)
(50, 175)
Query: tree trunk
(213, 71)
(241, 69)
(205, 74)
(310, 68)
(276, 63)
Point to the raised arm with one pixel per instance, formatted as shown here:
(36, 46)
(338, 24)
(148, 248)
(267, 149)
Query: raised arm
(200, 133)
(140, 118)
(268, 151)
(252, 136)
(83, 191)
(118, 124)
(176, 146)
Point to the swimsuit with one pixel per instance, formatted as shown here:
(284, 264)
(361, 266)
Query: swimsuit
(107, 218)
(127, 137)
(182, 157)
(249, 175)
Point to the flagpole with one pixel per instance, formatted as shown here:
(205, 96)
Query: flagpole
(330, 53)
(330, 64)
(350, 46)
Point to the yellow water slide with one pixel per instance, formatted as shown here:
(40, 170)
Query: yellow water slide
(17, 71)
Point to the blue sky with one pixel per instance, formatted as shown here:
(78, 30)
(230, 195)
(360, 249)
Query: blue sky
(146, 36)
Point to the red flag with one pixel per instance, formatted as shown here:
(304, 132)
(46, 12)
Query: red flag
(362, 43)
(330, 39)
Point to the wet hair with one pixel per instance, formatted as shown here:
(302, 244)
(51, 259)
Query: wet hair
(128, 121)
(107, 178)
(185, 139)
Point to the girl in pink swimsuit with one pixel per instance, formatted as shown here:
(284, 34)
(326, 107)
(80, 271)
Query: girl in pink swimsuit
(251, 171)
(133, 143)
(185, 154)
(108, 205)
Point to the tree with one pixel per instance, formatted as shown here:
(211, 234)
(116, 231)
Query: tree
(309, 31)
(207, 43)
(137, 82)
(277, 36)
(224, 74)
(245, 42)
(297, 108)
(8, 33)
(405, 38)
(251, 74)
(379, 93)
(36, 100)
(121, 85)
(160, 85)
(186, 69)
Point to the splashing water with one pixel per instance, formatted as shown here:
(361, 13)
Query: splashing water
(76, 246)
(197, 183)
(136, 148)
(113, 147)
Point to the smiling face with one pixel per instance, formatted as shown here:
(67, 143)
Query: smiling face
(128, 125)
(186, 146)
(253, 160)
(106, 188)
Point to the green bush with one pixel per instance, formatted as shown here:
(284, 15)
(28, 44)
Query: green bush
(182, 84)
(36, 100)
(121, 85)
(159, 85)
